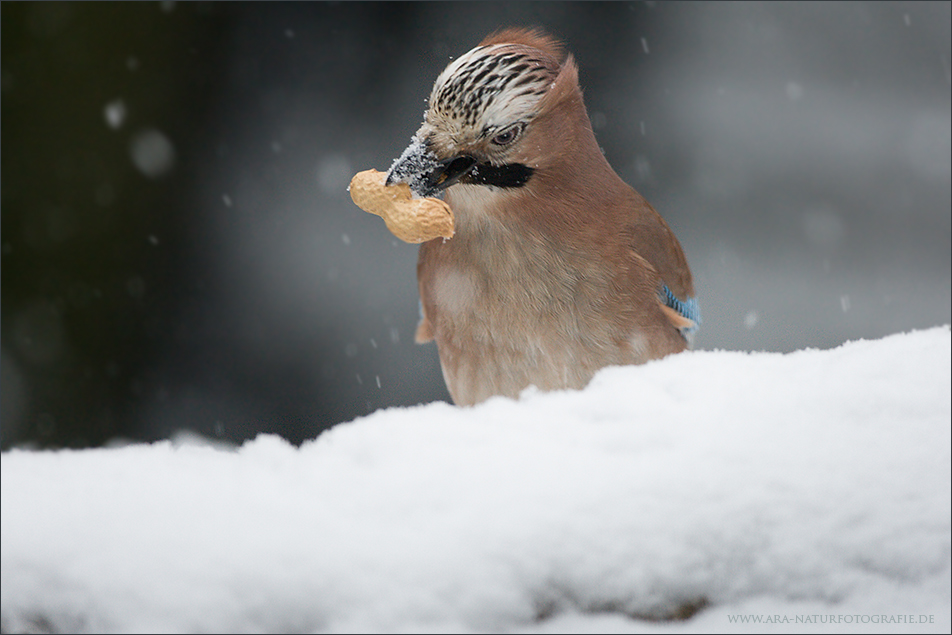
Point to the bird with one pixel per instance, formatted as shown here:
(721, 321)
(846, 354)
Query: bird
(558, 268)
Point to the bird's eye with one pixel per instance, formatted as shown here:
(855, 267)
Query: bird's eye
(507, 136)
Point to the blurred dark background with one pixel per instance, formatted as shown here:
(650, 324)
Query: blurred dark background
(179, 251)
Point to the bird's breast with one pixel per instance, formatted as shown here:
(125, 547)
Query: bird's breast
(511, 309)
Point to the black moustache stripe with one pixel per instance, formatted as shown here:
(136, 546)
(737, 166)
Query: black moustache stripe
(509, 175)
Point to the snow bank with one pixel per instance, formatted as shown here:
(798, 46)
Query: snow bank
(795, 489)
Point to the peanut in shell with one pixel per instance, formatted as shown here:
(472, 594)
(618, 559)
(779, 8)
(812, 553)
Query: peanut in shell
(412, 220)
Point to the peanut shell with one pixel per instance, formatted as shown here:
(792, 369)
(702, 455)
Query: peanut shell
(412, 220)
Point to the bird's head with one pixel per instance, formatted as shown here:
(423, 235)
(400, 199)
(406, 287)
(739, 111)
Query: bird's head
(495, 116)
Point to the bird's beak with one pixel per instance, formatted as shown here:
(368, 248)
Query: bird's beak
(426, 174)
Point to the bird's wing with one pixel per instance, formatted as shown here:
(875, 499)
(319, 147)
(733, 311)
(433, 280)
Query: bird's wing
(654, 243)
(685, 314)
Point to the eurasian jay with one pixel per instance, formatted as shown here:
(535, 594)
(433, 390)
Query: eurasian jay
(557, 268)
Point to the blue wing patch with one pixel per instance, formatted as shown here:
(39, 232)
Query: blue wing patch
(685, 308)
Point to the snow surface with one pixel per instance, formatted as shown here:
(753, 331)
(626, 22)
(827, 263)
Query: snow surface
(797, 488)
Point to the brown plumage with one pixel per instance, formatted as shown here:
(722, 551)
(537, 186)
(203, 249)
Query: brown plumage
(558, 268)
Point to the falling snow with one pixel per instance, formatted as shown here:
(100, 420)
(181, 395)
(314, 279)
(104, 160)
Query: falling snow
(115, 114)
(751, 319)
(152, 153)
